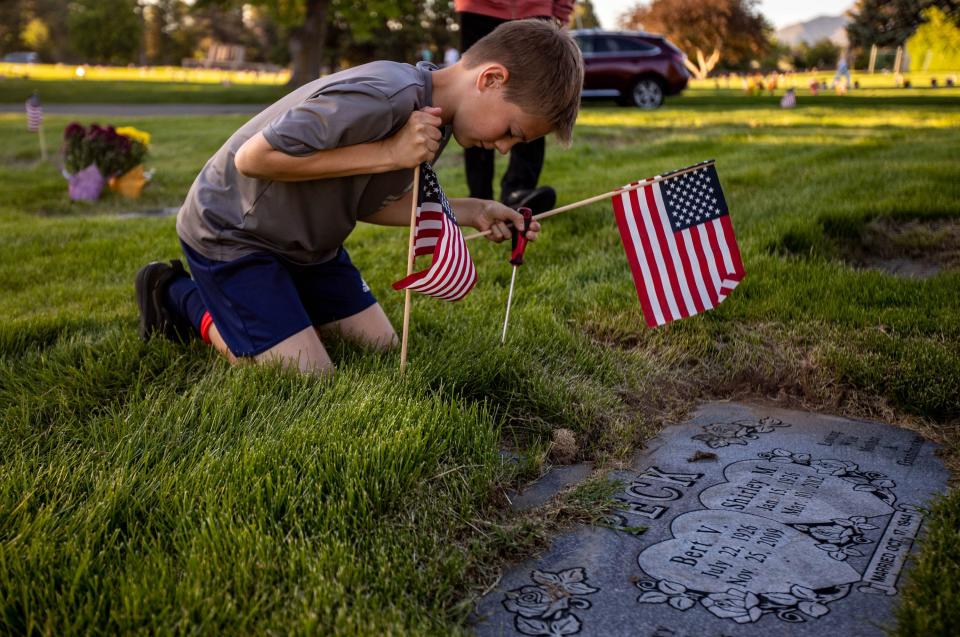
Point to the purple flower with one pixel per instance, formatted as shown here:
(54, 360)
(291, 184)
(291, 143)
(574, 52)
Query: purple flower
(74, 130)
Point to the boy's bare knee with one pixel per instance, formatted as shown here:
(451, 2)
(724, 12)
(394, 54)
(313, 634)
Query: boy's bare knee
(303, 351)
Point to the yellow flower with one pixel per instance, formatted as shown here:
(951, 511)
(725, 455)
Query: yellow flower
(138, 135)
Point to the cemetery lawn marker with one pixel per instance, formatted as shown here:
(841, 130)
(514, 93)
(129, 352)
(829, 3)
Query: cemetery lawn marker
(801, 523)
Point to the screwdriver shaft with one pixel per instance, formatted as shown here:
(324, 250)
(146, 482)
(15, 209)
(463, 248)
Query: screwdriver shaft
(506, 319)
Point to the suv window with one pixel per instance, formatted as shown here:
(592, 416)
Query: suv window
(626, 45)
(614, 44)
(634, 45)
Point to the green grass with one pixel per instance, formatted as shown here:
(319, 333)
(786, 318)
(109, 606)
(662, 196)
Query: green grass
(15, 89)
(151, 488)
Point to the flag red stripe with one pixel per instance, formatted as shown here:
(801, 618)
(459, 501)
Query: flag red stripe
(632, 259)
(732, 245)
(439, 267)
(717, 254)
(454, 271)
(703, 293)
(662, 224)
(645, 231)
(638, 233)
(704, 266)
(661, 256)
(440, 284)
(688, 275)
(684, 272)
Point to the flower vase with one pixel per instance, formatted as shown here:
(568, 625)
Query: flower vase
(130, 184)
(86, 184)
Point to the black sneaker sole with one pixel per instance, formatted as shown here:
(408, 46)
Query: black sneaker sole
(150, 286)
(151, 319)
(540, 200)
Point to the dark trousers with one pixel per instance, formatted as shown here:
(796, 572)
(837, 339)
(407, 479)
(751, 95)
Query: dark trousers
(526, 160)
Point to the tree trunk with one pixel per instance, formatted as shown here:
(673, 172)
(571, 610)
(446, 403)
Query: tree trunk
(306, 44)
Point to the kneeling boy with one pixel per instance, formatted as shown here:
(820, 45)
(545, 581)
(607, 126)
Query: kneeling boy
(263, 225)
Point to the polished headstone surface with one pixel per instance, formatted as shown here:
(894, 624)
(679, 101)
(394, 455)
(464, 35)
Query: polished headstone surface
(553, 482)
(744, 521)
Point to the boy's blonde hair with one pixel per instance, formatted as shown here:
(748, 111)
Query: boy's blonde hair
(545, 66)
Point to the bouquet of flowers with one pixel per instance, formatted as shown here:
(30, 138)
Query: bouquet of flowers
(94, 155)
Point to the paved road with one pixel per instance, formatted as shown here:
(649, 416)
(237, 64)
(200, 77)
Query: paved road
(128, 110)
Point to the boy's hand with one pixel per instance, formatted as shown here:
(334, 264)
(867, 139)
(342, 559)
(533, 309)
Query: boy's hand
(418, 140)
(485, 215)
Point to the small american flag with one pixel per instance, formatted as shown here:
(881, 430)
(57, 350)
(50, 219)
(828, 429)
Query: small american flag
(451, 274)
(34, 113)
(679, 243)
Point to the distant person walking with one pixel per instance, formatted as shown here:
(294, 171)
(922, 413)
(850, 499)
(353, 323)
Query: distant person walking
(843, 71)
(425, 54)
(451, 56)
(519, 184)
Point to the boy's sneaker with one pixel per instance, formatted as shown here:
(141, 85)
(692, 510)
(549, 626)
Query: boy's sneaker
(151, 286)
(538, 200)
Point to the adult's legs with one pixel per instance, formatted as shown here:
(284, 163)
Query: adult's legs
(478, 162)
(523, 172)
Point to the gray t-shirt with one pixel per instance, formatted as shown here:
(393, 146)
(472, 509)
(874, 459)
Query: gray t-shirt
(227, 215)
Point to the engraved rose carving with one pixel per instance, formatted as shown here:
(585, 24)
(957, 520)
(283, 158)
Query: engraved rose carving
(667, 591)
(545, 609)
(741, 606)
(533, 601)
(832, 533)
(723, 434)
(833, 467)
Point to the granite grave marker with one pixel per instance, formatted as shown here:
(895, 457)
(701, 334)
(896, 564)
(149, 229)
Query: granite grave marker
(743, 521)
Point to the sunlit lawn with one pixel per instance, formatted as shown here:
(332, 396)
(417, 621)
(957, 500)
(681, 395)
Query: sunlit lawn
(152, 488)
(97, 73)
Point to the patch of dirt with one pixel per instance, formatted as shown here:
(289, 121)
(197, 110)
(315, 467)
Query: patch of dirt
(912, 249)
(768, 365)
(564, 448)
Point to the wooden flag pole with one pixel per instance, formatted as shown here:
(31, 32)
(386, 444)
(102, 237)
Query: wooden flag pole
(410, 255)
(606, 195)
(43, 143)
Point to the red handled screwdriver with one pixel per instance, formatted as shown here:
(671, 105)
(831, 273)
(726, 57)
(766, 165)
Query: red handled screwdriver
(516, 260)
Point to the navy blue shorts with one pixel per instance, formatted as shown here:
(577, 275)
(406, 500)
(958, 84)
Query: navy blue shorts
(261, 299)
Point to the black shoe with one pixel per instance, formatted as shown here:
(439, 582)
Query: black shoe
(151, 284)
(538, 200)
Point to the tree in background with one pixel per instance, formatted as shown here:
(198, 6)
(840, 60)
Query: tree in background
(34, 25)
(311, 35)
(331, 33)
(393, 30)
(891, 22)
(936, 44)
(11, 25)
(170, 32)
(734, 30)
(302, 23)
(583, 16)
(36, 34)
(822, 54)
(105, 31)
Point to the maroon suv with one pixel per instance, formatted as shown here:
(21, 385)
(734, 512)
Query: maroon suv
(637, 68)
